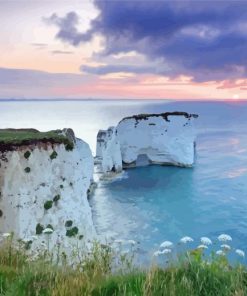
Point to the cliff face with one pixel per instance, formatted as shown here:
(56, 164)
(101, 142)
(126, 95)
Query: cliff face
(44, 184)
(167, 138)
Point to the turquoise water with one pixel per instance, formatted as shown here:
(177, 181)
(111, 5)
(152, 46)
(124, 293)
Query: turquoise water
(157, 203)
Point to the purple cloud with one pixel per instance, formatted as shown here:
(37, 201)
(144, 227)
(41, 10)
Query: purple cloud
(204, 39)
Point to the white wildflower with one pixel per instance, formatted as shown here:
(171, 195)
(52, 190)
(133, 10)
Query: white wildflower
(47, 231)
(202, 247)
(6, 234)
(166, 244)
(220, 253)
(206, 241)
(224, 238)
(34, 237)
(226, 247)
(157, 253)
(166, 251)
(131, 242)
(186, 239)
(240, 253)
(119, 241)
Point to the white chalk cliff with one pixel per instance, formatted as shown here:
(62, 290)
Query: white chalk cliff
(167, 138)
(45, 184)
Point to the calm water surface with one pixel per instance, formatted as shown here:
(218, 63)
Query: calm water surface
(156, 203)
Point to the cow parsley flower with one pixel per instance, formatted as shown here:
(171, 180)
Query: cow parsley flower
(240, 253)
(226, 247)
(166, 251)
(220, 253)
(6, 234)
(186, 239)
(206, 241)
(157, 253)
(166, 244)
(202, 247)
(224, 238)
(47, 231)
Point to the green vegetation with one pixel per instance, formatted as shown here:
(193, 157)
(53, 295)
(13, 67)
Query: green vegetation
(1, 213)
(48, 204)
(39, 228)
(61, 186)
(56, 198)
(53, 155)
(72, 232)
(102, 272)
(27, 154)
(68, 223)
(27, 170)
(18, 137)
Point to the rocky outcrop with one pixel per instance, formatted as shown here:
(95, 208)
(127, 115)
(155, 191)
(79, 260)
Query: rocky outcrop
(166, 138)
(43, 184)
(108, 153)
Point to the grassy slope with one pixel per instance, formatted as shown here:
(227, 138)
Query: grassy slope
(18, 137)
(191, 277)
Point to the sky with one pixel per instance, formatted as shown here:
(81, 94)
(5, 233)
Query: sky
(120, 49)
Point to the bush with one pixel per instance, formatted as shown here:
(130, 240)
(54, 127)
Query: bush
(27, 170)
(39, 228)
(48, 204)
(27, 154)
(56, 198)
(53, 155)
(72, 232)
(68, 223)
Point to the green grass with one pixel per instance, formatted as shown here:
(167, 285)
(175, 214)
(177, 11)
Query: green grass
(102, 273)
(23, 136)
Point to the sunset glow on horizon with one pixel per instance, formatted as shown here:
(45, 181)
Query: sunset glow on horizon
(123, 49)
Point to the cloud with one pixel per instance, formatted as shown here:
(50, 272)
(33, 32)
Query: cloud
(203, 39)
(68, 31)
(107, 69)
(61, 52)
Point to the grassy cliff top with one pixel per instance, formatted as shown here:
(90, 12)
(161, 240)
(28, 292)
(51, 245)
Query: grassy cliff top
(163, 115)
(10, 138)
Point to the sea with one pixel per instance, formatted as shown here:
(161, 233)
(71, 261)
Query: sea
(154, 204)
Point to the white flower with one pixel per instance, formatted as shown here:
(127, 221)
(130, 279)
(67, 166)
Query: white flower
(226, 247)
(186, 239)
(206, 241)
(157, 253)
(34, 237)
(47, 230)
(6, 234)
(240, 253)
(119, 241)
(166, 244)
(166, 251)
(202, 247)
(224, 238)
(131, 242)
(220, 253)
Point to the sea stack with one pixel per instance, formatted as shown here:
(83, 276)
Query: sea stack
(165, 139)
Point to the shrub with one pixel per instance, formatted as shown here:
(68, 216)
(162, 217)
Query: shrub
(56, 198)
(1, 213)
(72, 232)
(39, 228)
(27, 154)
(61, 186)
(27, 170)
(69, 147)
(68, 223)
(48, 204)
(53, 155)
